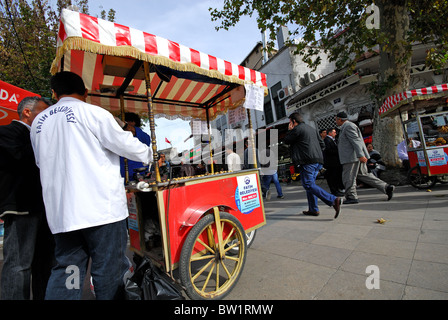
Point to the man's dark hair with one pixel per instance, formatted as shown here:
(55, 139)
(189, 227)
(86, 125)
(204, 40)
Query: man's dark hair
(297, 117)
(66, 83)
(131, 116)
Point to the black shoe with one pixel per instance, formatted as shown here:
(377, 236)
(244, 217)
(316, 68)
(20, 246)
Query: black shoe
(390, 191)
(337, 206)
(281, 197)
(351, 201)
(311, 213)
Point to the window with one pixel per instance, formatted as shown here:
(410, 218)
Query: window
(326, 122)
(268, 116)
(280, 111)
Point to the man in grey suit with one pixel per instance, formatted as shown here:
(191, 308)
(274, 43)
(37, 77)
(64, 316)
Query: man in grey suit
(353, 156)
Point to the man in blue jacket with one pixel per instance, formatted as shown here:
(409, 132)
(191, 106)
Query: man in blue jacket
(306, 147)
(133, 123)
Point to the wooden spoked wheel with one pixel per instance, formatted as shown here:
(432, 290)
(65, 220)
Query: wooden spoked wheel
(250, 237)
(419, 180)
(207, 269)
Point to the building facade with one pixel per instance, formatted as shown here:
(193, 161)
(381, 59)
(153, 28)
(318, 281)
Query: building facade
(317, 94)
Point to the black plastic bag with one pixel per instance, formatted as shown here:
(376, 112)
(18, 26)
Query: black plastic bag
(132, 287)
(150, 283)
(157, 285)
(132, 290)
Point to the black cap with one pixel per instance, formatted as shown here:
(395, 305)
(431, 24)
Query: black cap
(342, 115)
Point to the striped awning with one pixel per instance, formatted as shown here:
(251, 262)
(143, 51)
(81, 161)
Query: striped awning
(184, 82)
(393, 103)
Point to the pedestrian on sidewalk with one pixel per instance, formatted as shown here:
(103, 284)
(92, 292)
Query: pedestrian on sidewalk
(28, 246)
(306, 147)
(333, 173)
(353, 155)
(233, 160)
(269, 174)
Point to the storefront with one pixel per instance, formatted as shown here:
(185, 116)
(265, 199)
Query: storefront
(324, 98)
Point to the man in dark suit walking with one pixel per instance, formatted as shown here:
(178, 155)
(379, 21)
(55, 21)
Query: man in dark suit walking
(306, 152)
(333, 173)
(28, 244)
(353, 156)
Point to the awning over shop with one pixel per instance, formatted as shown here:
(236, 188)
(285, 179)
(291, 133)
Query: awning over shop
(302, 99)
(184, 82)
(10, 97)
(393, 103)
(278, 122)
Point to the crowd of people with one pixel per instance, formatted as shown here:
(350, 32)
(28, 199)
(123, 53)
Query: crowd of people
(63, 199)
(71, 152)
(71, 155)
(345, 159)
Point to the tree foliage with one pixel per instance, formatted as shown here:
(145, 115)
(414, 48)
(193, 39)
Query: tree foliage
(27, 41)
(339, 26)
(28, 31)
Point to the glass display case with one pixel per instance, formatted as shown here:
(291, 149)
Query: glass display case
(431, 133)
(434, 127)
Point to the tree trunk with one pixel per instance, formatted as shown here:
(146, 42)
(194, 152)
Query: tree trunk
(393, 75)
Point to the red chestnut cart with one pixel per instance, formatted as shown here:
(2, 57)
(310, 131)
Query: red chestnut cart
(429, 126)
(197, 224)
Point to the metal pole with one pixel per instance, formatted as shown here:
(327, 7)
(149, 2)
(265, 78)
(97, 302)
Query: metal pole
(126, 166)
(152, 124)
(252, 141)
(210, 142)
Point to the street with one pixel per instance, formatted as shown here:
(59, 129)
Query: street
(300, 257)
(297, 257)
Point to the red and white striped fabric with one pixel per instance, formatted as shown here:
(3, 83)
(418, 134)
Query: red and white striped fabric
(393, 102)
(83, 41)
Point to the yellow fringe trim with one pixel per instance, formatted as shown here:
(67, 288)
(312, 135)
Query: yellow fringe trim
(78, 43)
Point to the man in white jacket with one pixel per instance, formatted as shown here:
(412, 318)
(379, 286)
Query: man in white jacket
(77, 148)
(233, 160)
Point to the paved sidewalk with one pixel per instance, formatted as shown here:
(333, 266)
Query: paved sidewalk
(297, 257)
(301, 257)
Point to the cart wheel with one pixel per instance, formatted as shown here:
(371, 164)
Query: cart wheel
(206, 271)
(419, 180)
(250, 237)
(443, 179)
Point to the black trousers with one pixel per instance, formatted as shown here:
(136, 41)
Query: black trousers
(28, 253)
(333, 175)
